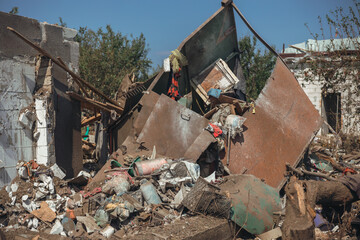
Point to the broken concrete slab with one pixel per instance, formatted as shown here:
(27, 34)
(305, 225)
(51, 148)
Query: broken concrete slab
(89, 223)
(57, 228)
(272, 234)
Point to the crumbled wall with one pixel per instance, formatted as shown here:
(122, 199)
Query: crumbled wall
(37, 122)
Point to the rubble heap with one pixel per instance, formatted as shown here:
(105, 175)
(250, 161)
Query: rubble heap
(186, 155)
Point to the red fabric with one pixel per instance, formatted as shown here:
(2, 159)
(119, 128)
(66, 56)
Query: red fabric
(349, 170)
(217, 130)
(173, 91)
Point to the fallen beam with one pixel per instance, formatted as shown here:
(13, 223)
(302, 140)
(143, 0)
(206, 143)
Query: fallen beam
(83, 100)
(300, 204)
(90, 120)
(60, 64)
(106, 107)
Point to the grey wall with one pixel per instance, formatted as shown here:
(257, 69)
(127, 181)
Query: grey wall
(17, 86)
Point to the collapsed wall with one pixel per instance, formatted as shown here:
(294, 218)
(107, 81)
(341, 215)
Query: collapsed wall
(37, 118)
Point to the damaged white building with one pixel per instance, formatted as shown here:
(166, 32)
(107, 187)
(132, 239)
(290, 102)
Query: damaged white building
(338, 105)
(38, 120)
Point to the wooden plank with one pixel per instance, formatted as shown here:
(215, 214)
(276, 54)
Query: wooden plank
(57, 62)
(90, 120)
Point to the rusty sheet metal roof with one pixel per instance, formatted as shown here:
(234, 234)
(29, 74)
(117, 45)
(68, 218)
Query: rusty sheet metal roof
(279, 132)
(175, 130)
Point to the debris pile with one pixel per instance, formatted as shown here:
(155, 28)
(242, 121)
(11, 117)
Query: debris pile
(125, 200)
(187, 146)
(323, 193)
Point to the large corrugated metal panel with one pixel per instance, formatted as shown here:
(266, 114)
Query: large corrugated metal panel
(278, 133)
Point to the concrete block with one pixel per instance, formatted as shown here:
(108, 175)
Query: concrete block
(16, 76)
(10, 44)
(69, 33)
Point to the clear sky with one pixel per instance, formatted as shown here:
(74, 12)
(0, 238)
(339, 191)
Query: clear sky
(165, 23)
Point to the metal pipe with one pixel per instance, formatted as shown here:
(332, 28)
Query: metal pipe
(253, 31)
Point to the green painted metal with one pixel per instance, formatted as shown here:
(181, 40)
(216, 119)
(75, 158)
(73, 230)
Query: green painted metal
(253, 202)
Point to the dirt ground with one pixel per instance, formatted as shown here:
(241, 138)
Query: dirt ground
(197, 227)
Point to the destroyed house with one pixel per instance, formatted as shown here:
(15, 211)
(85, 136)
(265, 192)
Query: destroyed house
(38, 120)
(207, 84)
(183, 155)
(277, 129)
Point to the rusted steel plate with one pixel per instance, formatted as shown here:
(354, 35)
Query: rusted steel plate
(282, 127)
(175, 130)
(147, 103)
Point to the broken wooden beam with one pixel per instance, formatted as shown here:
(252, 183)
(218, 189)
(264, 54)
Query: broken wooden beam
(76, 80)
(104, 106)
(302, 172)
(90, 120)
(57, 62)
(89, 103)
(302, 196)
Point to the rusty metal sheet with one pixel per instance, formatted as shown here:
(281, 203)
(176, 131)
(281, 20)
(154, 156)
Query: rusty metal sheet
(215, 38)
(175, 130)
(147, 103)
(279, 132)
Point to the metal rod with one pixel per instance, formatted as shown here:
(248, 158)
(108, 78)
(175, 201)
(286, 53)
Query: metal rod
(337, 112)
(74, 75)
(77, 81)
(253, 31)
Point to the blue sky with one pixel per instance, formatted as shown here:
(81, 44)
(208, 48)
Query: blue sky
(165, 23)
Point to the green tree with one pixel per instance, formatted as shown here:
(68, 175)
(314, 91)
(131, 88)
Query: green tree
(257, 65)
(106, 56)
